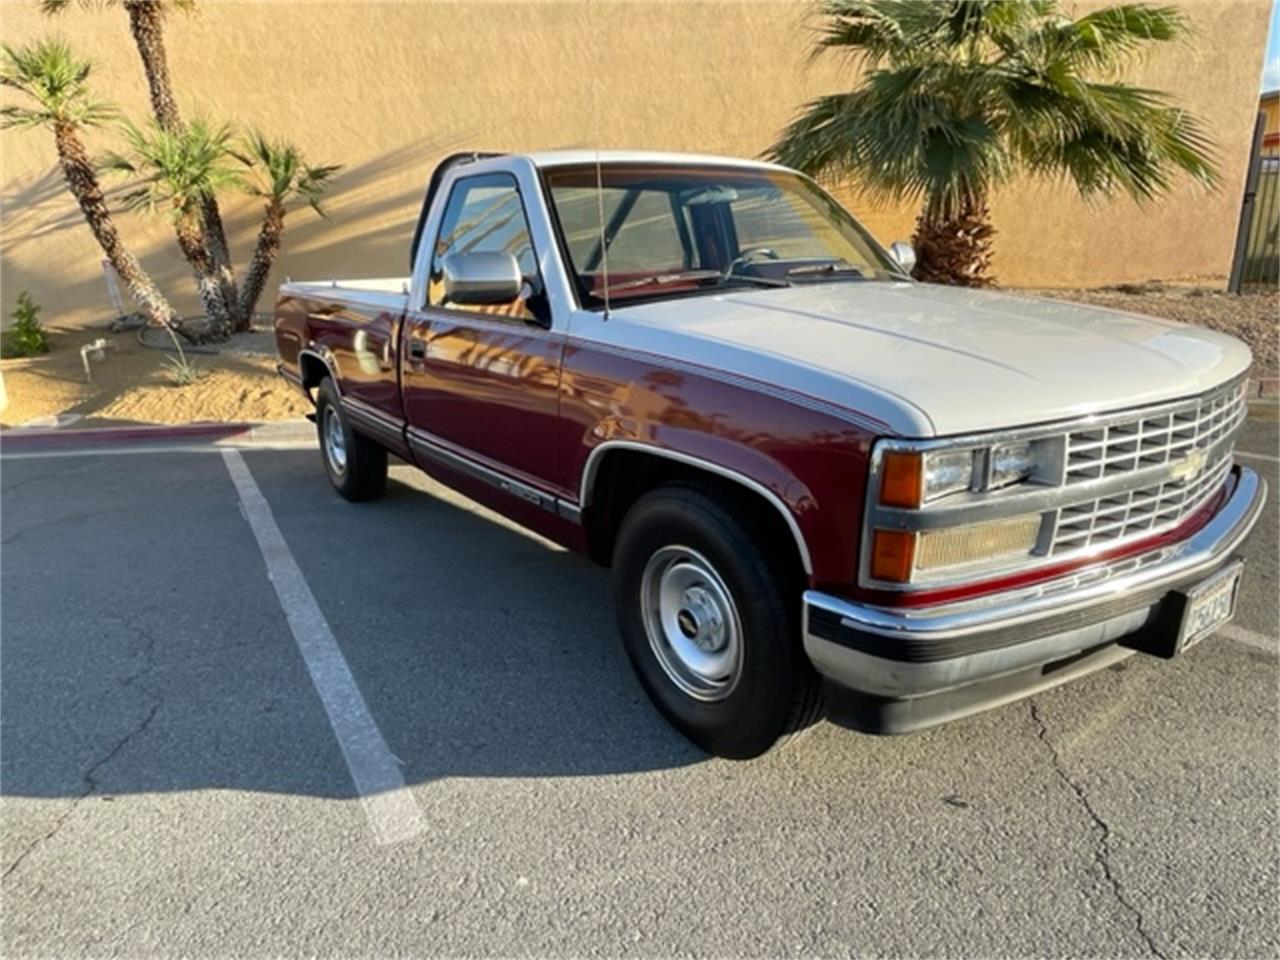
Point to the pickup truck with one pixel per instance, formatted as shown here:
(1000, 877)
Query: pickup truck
(818, 483)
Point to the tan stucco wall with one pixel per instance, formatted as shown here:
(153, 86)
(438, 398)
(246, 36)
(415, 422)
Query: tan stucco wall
(386, 89)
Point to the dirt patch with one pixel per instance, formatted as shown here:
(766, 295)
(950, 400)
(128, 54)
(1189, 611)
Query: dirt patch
(1253, 317)
(131, 384)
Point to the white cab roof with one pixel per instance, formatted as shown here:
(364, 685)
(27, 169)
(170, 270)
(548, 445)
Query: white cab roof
(564, 158)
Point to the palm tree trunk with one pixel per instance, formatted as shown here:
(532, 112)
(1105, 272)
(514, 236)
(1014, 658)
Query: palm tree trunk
(146, 23)
(264, 255)
(82, 181)
(215, 240)
(191, 242)
(955, 248)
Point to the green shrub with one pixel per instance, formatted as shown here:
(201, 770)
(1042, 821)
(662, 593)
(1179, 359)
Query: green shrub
(26, 337)
(182, 372)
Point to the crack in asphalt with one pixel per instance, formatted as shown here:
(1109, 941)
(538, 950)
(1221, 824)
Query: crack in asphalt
(89, 777)
(50, 522)
(1102, 853)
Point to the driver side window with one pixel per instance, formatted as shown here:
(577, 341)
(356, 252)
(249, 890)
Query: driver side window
(485, 214)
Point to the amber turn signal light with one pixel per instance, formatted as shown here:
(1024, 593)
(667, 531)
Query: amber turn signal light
(901, 479)
(892, 555)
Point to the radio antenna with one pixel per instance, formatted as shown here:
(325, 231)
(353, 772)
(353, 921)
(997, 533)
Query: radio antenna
(604, 237)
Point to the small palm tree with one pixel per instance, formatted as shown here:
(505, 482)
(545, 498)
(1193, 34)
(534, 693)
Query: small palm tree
(279, 175)
(174, 171)
(960, 95)
(49, 73)
(146, 24)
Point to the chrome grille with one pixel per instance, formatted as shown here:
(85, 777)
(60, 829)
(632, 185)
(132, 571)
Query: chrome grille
(1199, 428)
(1150, 440)
(1134, 512)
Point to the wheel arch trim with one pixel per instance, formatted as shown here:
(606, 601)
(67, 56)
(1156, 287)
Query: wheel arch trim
(596, 456)
(323, 358)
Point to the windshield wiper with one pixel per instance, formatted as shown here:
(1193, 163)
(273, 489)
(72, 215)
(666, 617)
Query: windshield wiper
(663, 279)
(694, 276)
(759, 281)
(835, 268)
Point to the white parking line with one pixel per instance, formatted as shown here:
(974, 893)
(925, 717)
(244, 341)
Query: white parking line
(392, 811)
(1250, 638)
(1258, 456)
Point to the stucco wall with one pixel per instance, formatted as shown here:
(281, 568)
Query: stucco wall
(386, 89)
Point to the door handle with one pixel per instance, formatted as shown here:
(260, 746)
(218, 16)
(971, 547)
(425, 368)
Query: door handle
(417, 349)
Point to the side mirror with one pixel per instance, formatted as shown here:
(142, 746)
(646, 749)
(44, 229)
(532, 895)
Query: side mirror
(904, 255)
(480, 279)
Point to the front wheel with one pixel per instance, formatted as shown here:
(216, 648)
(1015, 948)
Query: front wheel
(356, 465)
(706, 625)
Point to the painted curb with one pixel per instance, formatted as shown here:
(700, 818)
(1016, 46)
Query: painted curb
(285, 431)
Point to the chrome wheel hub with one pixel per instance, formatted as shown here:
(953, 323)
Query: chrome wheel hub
(692, 623)
(335, 441)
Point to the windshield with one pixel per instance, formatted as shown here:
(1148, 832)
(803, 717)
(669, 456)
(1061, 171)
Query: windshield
(680, 231)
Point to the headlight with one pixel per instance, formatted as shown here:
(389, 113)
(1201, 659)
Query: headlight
(1011, 463)
(941, 509)
(947, 471)
(912, 478)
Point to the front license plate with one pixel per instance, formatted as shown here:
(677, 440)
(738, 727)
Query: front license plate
(1209, 605)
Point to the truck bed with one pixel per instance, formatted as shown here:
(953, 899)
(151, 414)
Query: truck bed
(384, 293)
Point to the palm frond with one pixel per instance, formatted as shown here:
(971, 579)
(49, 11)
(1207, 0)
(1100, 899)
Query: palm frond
(958, 95)
(175, 169)
(1106, 38)
(22, 118)
(50, 73)
(279, 173)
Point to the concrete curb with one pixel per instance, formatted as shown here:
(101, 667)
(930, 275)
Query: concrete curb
(227, 434)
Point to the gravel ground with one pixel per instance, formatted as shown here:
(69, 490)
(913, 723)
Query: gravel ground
(1252, 317)
(131, 383)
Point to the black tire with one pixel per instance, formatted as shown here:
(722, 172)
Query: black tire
(357, 467)
(774, 690)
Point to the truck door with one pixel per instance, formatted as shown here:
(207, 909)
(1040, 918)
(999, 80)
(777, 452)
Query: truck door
(481, 383)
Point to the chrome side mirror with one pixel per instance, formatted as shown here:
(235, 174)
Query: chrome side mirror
(481, 279)
(904, 255)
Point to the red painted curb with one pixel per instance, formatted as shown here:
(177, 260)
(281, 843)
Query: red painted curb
(43, 439)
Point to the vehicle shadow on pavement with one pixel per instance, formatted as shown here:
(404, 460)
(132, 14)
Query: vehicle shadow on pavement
(480, 650)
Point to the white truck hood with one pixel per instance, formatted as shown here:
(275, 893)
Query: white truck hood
(935, 361)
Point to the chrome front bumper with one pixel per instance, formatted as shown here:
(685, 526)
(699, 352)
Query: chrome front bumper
(958, 658)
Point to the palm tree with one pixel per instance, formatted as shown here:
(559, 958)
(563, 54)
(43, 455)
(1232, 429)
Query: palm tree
(960, 95)
(278, 175)
(174, 171)
(57, 80)
(146, 24)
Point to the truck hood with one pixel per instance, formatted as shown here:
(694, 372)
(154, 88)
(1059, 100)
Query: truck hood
(930, 360)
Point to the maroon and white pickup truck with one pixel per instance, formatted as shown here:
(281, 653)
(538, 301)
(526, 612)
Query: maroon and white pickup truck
(815, 480)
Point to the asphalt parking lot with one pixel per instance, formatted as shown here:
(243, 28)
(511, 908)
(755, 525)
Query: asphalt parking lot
(179, 767)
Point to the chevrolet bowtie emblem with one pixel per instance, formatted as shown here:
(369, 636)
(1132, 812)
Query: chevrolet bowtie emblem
(1188, 466)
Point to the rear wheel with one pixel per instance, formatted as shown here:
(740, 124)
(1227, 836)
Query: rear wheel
(707, 627)
(356, 465)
